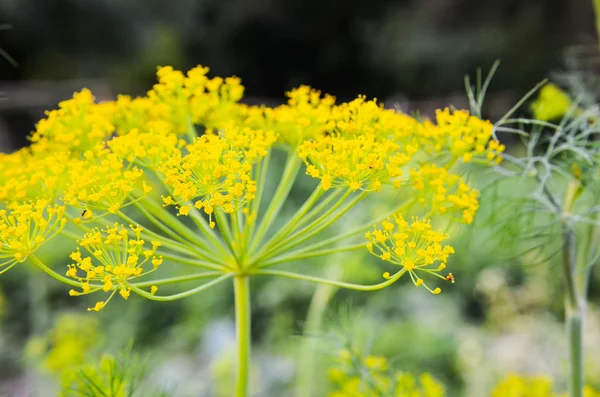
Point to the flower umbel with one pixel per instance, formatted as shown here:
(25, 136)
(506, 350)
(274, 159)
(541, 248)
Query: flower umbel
(414, 246)
(114, 259)
(25, 227)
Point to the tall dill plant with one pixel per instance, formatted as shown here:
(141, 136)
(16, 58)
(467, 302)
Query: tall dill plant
(181, 177)
(550, 200)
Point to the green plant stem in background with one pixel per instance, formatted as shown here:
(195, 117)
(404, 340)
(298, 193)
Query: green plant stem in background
(305, 382)
(575, 296)
(241, 286)
(574, 312)
(575, 332)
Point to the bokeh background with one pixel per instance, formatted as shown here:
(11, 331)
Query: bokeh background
(503, 314)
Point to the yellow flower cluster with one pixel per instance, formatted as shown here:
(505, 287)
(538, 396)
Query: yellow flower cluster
(119, 259)
(147, 145)
(444, 193)
(370, 376)
(414, 246)
(534, 386)
(25, 227)
(216, 171)
(102, 182)
(552, 103)
(358, 163)
(201, 151)
(78, 123)
(461, 135)
(193, 98)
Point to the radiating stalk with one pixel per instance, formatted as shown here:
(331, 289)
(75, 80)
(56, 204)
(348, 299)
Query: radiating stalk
(242, 319)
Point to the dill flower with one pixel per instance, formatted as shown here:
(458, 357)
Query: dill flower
(25, 227)
(413, 246)
(359, 163)
(354, 375)
(445, 193)
(551, 104)
(113, 259)
(192, 165)
(148, 145)
(102, 182)
(532, 386)
(77, 124)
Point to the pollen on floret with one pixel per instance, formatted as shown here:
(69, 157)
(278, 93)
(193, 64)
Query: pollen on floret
(124, 293)
(437, 291)
(156, 262)
(419, 282)
(153, 289)
(184, 210)
(99, 305)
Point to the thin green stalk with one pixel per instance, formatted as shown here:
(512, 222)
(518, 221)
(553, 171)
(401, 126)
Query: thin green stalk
(170, 220)
(242, 319)
(195, 262)
(188, 248)
(297, 219)
(270, 248)
(225, 229)
(298, 238)
(341, 284)
(262, 170)
(191, 130)
(316, 211)
(285, 185)
(57, 276)
(308, 253)
(178, 279)
(201, 223)
(181, 295)
(164, 228)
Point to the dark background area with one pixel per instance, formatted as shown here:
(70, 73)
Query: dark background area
(404, 50)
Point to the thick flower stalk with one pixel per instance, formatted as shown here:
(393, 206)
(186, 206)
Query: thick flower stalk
(182, 175)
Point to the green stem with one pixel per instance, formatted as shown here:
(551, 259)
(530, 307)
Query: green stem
(181, 295)
(242, 320)
(164, 228)
(575, 298)
(299, 237)
(225, 229)
(309, 253)
(305, 382)
(297, 219)
(194, 261)
(262, 169)
(575, 333)
(178, 279)
(341, 284)
(57, 276)
(285, 185)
